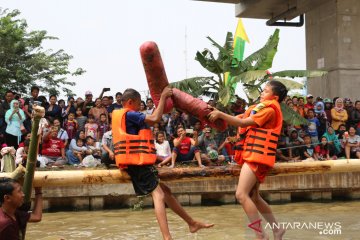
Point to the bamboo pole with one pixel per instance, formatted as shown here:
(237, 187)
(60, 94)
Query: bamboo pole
(89, 177)
(38, 113)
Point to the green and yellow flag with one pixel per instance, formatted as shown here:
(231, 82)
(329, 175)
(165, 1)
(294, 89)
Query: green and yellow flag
(239, 46)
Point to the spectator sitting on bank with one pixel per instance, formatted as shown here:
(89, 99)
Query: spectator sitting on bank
(209, 148)
(14, 118)
(27, 137)
(79, 154)
(22, 152)
(227, 148)
(117, 104)
(62, 134)
(338, 114)
(53, 110)
(13, 220)
(142, 107)
(73, 159)
(93, 147)
(53, 149)
(333, 142)
(185, 148)
(340, 132)
(163, 151)
(308, 151)
(150, 107)
(313, 126)
(322, 151)
(108, 156)
(294, 142)
(309, 103)
(351, 143)
(91, 128)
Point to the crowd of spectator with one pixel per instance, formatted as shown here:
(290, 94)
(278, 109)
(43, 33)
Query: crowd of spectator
(78, 131)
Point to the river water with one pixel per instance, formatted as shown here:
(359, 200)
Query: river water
(303, 220)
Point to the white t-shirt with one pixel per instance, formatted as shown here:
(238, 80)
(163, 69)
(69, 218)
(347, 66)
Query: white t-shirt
(163, 149)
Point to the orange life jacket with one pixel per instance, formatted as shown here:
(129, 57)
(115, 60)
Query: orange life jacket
(256, 144)
(131, 149)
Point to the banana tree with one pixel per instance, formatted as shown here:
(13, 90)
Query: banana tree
(252, 73)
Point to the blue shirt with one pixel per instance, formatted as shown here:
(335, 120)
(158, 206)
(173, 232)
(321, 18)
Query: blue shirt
(135, 121)
(312, 128)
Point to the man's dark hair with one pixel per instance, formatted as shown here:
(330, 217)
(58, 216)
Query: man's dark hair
(60, 101)
(52, 95)
(111, 98)
(311, 110)
(118, 94)
(294, 97)
(278, 89)
(149, 99)
(9, 91)
(6, 187)
(34, 88)
(130, 94)
(357, 101)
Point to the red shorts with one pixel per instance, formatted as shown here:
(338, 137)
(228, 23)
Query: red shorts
(260, 170)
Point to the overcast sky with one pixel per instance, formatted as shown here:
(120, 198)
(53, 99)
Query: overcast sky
(104, 37)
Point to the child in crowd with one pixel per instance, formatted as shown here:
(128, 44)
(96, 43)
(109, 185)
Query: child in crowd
(163, 151)
(313, 126)
(80, 154)
(103, 125)
(93, 147)
(81, 119)
(71, 125)
(91, 128)
(322, 150)
(308, 151)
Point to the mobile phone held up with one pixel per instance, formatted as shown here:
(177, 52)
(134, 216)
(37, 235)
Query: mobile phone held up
(106, 89)
(189, 131)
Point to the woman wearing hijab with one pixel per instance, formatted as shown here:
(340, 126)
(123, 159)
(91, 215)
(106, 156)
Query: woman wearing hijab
(338, 114)
(14, 117)
(321, 116)
(333, 141)
(72, 158)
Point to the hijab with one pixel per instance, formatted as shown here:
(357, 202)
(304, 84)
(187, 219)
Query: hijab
(322, 107)
(333, 138)
(341, 108)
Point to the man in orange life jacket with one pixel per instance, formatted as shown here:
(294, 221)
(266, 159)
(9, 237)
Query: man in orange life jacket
(259, 130)
(133, 147)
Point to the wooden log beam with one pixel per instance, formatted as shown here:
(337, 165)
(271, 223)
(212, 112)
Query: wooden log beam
(81, 177)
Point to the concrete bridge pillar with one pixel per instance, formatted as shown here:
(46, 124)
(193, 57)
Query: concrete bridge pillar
(333, 44)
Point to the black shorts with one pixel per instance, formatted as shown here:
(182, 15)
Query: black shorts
(144, 178)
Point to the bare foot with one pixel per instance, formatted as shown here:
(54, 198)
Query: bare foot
(263, 236)
(159, 165)
(278, 234)
(171, 166)
(196, 226)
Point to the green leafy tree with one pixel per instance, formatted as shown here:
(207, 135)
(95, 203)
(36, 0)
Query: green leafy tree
(24, 62)
(252, 73)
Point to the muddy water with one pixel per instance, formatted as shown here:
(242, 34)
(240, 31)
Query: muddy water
(303, 221)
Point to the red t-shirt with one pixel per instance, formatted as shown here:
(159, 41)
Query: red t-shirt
(185, 145)
(52, 147)
(11, 229)
(229, 147)
(321, 151)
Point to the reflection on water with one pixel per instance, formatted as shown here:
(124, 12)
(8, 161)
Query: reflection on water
(229, 219)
